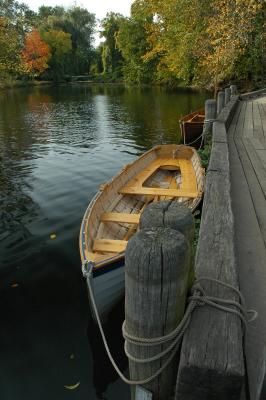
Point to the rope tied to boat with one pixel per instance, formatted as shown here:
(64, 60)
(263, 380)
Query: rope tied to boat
(202, 136)
(198, 298)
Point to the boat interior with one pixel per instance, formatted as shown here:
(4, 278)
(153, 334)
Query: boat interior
(168, 173)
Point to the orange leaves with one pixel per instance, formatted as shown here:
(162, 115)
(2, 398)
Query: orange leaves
(36, 54)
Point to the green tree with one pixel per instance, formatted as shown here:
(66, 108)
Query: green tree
(229, 30)
(9, 49)
(19, 14)
(132, 42)
(111, 54)
(96, 66)
(46, 11)
(175, 36)
(80, 24)
(60, 44)
(252, 65)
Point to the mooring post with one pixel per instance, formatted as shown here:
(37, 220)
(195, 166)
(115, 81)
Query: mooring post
(233, 90)
(171, 214)
(157, 265)
(227, 95)
(220, 101)
(210, 115)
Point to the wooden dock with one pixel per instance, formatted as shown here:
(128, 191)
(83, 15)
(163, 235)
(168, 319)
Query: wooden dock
(215, 362)
(223, 352)
(247, 152)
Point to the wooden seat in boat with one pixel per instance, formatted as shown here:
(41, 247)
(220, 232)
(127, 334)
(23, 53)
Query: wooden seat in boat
(110, 246)
(120, 217)
(158, 191)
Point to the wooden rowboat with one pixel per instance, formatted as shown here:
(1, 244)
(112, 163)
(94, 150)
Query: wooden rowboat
(163, 173)
(191, 126)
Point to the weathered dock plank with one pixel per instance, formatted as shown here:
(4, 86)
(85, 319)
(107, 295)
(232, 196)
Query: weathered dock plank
(248, 178)
(258, 129)
(251, 255)
(248, 124)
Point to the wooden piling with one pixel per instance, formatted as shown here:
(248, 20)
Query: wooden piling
(210, 115)
(227, 95)
(172, 214)
(233, 90)
(220, 101)
(157, 264)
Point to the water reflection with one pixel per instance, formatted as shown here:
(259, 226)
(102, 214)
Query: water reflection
(57, 145)
(103, 371)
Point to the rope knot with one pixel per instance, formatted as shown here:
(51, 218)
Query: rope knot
(87, 268)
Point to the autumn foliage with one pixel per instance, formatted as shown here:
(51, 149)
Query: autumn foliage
(36, 54)
(9, 48)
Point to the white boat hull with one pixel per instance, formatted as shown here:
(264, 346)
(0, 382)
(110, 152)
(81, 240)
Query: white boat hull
(108, 289)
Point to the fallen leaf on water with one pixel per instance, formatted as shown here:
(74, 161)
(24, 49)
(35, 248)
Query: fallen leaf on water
(72, 387)
(14, 285)
(53, 236)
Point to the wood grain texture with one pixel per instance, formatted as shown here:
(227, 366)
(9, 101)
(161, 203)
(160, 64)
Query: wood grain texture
(157, 264)
(227, 95)
(170, 214)
(159, 192)
(120, 217)
(211, 364)
(248, 175)
(108, 245)
(220, 101)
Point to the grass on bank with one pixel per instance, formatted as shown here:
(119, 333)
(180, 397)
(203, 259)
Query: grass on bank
(204, 154)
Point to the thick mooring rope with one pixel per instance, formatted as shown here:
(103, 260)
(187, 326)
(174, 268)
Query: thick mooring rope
(197, 299)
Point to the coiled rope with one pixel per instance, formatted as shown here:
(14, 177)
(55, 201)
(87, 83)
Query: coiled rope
(197, 299)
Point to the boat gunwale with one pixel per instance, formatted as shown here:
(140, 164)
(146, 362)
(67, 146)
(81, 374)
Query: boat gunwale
(185, 118)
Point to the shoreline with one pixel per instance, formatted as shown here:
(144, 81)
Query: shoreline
(8, 85)
(14, 84)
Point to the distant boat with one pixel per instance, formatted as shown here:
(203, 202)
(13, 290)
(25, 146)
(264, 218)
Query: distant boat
(191, 126)
(112, 217)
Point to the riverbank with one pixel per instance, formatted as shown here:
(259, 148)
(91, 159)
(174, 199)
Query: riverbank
(14, 83)
(10, 83)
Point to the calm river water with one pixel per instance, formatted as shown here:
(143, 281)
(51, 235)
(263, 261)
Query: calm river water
(57, 145)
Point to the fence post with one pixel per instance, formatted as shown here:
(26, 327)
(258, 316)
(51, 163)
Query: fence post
(227, 95)
(157, 264)
(220, 101)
